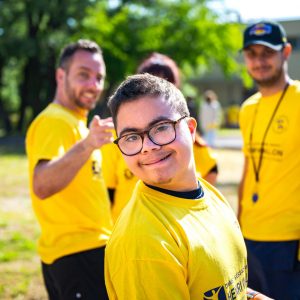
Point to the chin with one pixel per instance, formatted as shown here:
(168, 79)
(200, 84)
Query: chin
(160, 181)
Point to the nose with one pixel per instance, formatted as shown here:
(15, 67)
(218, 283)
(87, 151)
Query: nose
(95, 84)
(148, 145)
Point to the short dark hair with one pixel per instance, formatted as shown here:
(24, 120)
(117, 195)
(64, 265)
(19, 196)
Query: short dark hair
(147, 85)
(162, 66)
(69, 50)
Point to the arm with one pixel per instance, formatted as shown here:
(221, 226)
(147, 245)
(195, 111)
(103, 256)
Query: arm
(51, 176)
(205, 160)
(241, 186)
(212, 175)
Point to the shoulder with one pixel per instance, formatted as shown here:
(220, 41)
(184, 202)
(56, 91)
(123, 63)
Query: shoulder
(295, 85)
(249, 105)
(54, 117)
(217, 196)
(251, 101)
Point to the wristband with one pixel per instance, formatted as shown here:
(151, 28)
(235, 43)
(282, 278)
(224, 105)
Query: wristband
(252, 295)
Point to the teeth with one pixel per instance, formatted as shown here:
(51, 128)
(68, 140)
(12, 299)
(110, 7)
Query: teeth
(88, 95)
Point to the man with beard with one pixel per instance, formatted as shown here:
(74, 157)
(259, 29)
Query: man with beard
(269, 192)
(66, 185)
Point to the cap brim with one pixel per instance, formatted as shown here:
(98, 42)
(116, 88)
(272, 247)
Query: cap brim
(274, 47)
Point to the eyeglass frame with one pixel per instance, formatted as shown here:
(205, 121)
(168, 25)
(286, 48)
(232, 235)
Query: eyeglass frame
(146, 132)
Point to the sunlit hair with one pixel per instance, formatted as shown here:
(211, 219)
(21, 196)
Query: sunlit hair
(162, 66)
(210, 95)
(147, 85)
(69, 50)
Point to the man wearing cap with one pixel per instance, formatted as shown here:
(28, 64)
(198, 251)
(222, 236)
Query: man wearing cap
(269, 193)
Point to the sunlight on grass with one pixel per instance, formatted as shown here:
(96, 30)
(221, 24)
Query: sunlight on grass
(16, 246)
(16, 280)
(14, 177)
(20, 275)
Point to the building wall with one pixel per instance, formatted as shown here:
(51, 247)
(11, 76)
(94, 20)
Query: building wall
(231, 91)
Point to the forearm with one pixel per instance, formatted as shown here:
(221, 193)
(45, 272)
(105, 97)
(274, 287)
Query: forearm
(211, 177)
(241, 187)
(240, 195)
(52, 176)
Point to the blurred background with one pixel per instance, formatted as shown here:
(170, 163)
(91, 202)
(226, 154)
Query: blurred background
(202, 36)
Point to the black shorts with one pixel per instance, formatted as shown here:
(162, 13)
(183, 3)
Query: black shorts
(76, 276)
(278, 266)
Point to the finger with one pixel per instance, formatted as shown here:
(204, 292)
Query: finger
(103, 124)
(109, 119)
(107, 122)
(95, 122)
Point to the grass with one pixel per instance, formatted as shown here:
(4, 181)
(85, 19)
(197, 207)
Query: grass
(20, 275)
(229, 132)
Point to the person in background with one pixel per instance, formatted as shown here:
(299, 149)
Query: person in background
(192, 106)
(177, 238)
(210, 117)
(269, 192)
(68, 193)
(119, 179)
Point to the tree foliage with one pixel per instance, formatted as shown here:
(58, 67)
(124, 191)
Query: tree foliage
(186, 30)
(32, 33)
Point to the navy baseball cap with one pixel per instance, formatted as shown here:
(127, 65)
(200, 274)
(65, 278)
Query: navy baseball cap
(266, 33)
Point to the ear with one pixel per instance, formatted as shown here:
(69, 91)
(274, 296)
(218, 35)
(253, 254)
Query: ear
(287, 50)
(192, 124)
(59, 75)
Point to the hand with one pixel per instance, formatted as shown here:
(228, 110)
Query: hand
(101, 132)
(251, 294)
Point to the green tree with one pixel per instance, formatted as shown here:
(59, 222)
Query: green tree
(31, 34)
(33, 31)
(189, 31)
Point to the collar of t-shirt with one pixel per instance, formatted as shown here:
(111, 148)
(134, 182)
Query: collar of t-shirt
(194, 194)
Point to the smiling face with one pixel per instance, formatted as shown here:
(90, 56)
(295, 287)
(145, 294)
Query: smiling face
(81, 84)
(170, 166)
(265, 65)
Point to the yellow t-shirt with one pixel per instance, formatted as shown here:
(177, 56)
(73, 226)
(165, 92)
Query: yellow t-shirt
(276, 214)
(77, 218)
(165, 247)
(117, 176)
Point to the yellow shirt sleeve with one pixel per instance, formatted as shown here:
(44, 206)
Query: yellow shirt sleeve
(109, 165)
(205, 159)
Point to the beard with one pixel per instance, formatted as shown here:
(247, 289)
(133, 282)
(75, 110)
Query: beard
(272, 80)
(75, 98)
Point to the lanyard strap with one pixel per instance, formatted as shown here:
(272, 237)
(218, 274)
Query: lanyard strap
(258, 167)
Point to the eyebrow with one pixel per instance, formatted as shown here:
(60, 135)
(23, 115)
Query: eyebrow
(84, 68)
(152, 123)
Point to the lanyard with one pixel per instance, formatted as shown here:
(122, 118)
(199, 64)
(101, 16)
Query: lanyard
(257, 168)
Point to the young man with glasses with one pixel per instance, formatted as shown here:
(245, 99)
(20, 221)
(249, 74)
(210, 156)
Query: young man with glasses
(177, 238)
(270, 188)
(119, 179)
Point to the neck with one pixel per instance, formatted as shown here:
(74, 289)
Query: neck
(68, 105)
(275, 88)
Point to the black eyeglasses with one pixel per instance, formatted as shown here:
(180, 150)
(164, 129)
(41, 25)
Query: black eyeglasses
(160, 134)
